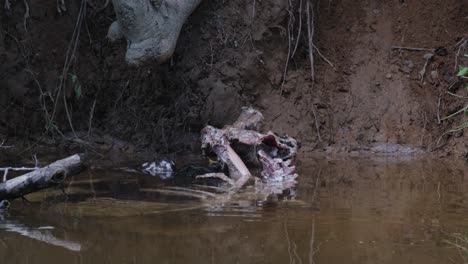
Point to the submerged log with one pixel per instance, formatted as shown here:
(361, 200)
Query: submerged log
(42, 178)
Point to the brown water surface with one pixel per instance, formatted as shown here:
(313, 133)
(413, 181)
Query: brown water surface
(354, 210)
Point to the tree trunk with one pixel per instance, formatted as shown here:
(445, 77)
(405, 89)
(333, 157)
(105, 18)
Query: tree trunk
(151, 27)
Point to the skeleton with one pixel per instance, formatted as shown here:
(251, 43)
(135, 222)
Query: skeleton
(275, 153)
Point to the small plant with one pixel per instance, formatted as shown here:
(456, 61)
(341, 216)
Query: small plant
(76, 86)
(462, 73)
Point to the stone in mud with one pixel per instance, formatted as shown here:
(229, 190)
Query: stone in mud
(407, 66)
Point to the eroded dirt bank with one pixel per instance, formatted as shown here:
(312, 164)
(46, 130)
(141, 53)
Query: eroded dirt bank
(232, 54)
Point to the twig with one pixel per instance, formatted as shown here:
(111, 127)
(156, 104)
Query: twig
(36, 161)
(26, 15)
(70, 55)
(438, 109)
(463, 42)
(2, 145)
(7, 169)
(428, 57)
(438, 191)
(316, 123)
(456, 129)
(323, 57)
(61, 6)
(456, 113)
(253, 9)
(18, 168)
(42, 97)
(411, 48)
(285, 71)
(5, 174)
(90, 122)
(458, 96)
(299, 31)
(310, 34)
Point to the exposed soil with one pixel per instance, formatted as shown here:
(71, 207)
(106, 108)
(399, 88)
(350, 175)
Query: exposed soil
(233, 53)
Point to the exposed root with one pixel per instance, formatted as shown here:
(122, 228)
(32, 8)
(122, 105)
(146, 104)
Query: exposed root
(290, 22)
(26, 15)
(294, 38)
(324, 58)
(462, 44)
(310, 36)
(61, 7)
(299, 31)
(458, 96)
(427, 57)
(316, 122)
(454, 130)
(463, 110)
(69, 58)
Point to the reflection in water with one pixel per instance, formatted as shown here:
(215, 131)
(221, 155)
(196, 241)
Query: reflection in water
(343, 211)
(43, 234)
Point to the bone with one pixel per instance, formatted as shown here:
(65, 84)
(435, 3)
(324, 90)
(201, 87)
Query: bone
(275, 152)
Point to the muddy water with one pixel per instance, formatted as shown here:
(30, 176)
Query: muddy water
(354, 210)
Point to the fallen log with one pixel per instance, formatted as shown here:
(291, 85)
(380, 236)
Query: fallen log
(42, 178)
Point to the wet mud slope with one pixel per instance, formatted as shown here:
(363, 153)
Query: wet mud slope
(235, 53)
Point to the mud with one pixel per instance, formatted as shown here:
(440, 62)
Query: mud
(232, 54)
